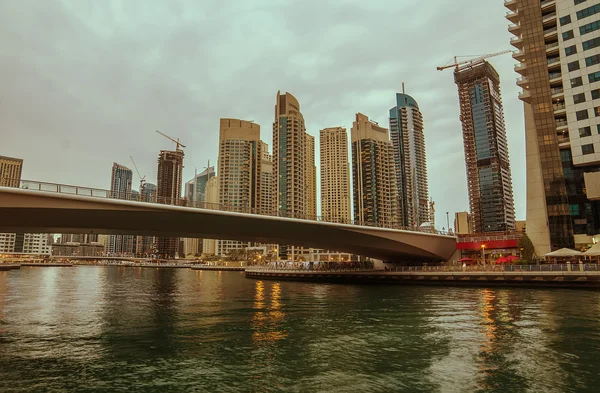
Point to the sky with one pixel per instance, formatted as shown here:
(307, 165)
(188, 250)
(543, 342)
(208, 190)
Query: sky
(86, 83)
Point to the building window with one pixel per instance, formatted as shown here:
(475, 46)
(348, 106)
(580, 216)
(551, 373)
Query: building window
(590, 61)
(573, 66)
(585, 131)
(593, 43)
(595, 94)
(570, 50)
(579, 1)
(589, 27)
(584, 13)
(582, 115)
(567, 35)
(594, 76)
(565, 20)
(598, 128)
(587, 149)
(576, 82)
(574, 209)
(579, 98)
(597, 111)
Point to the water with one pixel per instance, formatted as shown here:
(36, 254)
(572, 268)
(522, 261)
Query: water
(112, 329)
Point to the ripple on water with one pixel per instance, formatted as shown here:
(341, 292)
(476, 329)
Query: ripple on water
(107, 329)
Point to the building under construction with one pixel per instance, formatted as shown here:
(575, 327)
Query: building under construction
(486, 149)
(168, 192)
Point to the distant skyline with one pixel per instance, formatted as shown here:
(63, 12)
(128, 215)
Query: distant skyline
(86, 85)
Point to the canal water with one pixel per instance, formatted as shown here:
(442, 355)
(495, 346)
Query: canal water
(123, 329)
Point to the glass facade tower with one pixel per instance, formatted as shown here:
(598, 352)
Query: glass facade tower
(486, 148)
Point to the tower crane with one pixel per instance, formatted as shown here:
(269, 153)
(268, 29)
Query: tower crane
(457, 63)
(177, 143)
(142, 178)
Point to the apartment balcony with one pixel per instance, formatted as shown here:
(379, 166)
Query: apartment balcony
(525, 95)
(514, 28)
(563, 140)
(553, 63)
(556, 91)
(513, 16)
(552, 48)
(549, 18)
(521, 68)
(511, 4)
(547, 5)
(560, 124)
(550, 32)
(523, 81)
(559, 108)
(518, 55)
(517, 42)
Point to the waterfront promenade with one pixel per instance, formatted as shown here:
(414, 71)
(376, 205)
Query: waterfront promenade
(570, 276)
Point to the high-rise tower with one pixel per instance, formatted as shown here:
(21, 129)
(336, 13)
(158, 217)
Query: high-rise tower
(311, 178)
(406, 133)
(558, 46)
(120, 188)
(168, 192)
(10, 171)
(335, 175)
(486, 149)
(239, 167)
(373, 175)
(267, 206)
(289, 163)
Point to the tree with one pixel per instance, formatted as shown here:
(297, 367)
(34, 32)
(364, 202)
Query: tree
(527, 249)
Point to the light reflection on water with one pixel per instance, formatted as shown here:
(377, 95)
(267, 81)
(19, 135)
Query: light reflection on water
(104, 329)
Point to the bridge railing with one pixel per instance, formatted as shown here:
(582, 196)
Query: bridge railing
(500, 268)
(151, 197)
(312, 268)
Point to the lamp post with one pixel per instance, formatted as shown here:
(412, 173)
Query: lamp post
(448, 221)
(483, 254)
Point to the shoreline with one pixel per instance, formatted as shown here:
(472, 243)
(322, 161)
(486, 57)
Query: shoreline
(542, 279)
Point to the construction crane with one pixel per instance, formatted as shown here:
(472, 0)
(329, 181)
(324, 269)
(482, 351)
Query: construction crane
(142, 178)
(476, 59)
(177, 143)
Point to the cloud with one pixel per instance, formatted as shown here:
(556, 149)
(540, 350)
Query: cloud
(87, 83)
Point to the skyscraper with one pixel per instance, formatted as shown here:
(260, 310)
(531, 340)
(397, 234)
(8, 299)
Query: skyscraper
(560, 97)
(168, 192)
(120, 188)
(195, 189)
(149, 193)
(335, 175)
(406, 133)
(289, 164)
(209, 246)
(486, 150)
(10, 176)
(120, 182)
(311, 178)
(195, 195)
(10, 171)
(239, 167)
(267, 206)
(373, 174)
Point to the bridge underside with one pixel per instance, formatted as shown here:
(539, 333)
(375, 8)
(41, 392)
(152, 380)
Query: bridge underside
(35, 211)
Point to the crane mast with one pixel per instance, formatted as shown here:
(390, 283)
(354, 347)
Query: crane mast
(142, 179)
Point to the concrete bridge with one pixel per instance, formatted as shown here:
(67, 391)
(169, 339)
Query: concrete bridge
(39, 211)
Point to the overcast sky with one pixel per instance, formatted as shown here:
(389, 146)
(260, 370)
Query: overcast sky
(86, 83)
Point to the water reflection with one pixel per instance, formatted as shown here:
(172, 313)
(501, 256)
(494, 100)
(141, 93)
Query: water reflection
(149, 330)
(267, 322)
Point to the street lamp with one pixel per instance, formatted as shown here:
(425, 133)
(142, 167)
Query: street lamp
(483, 253)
